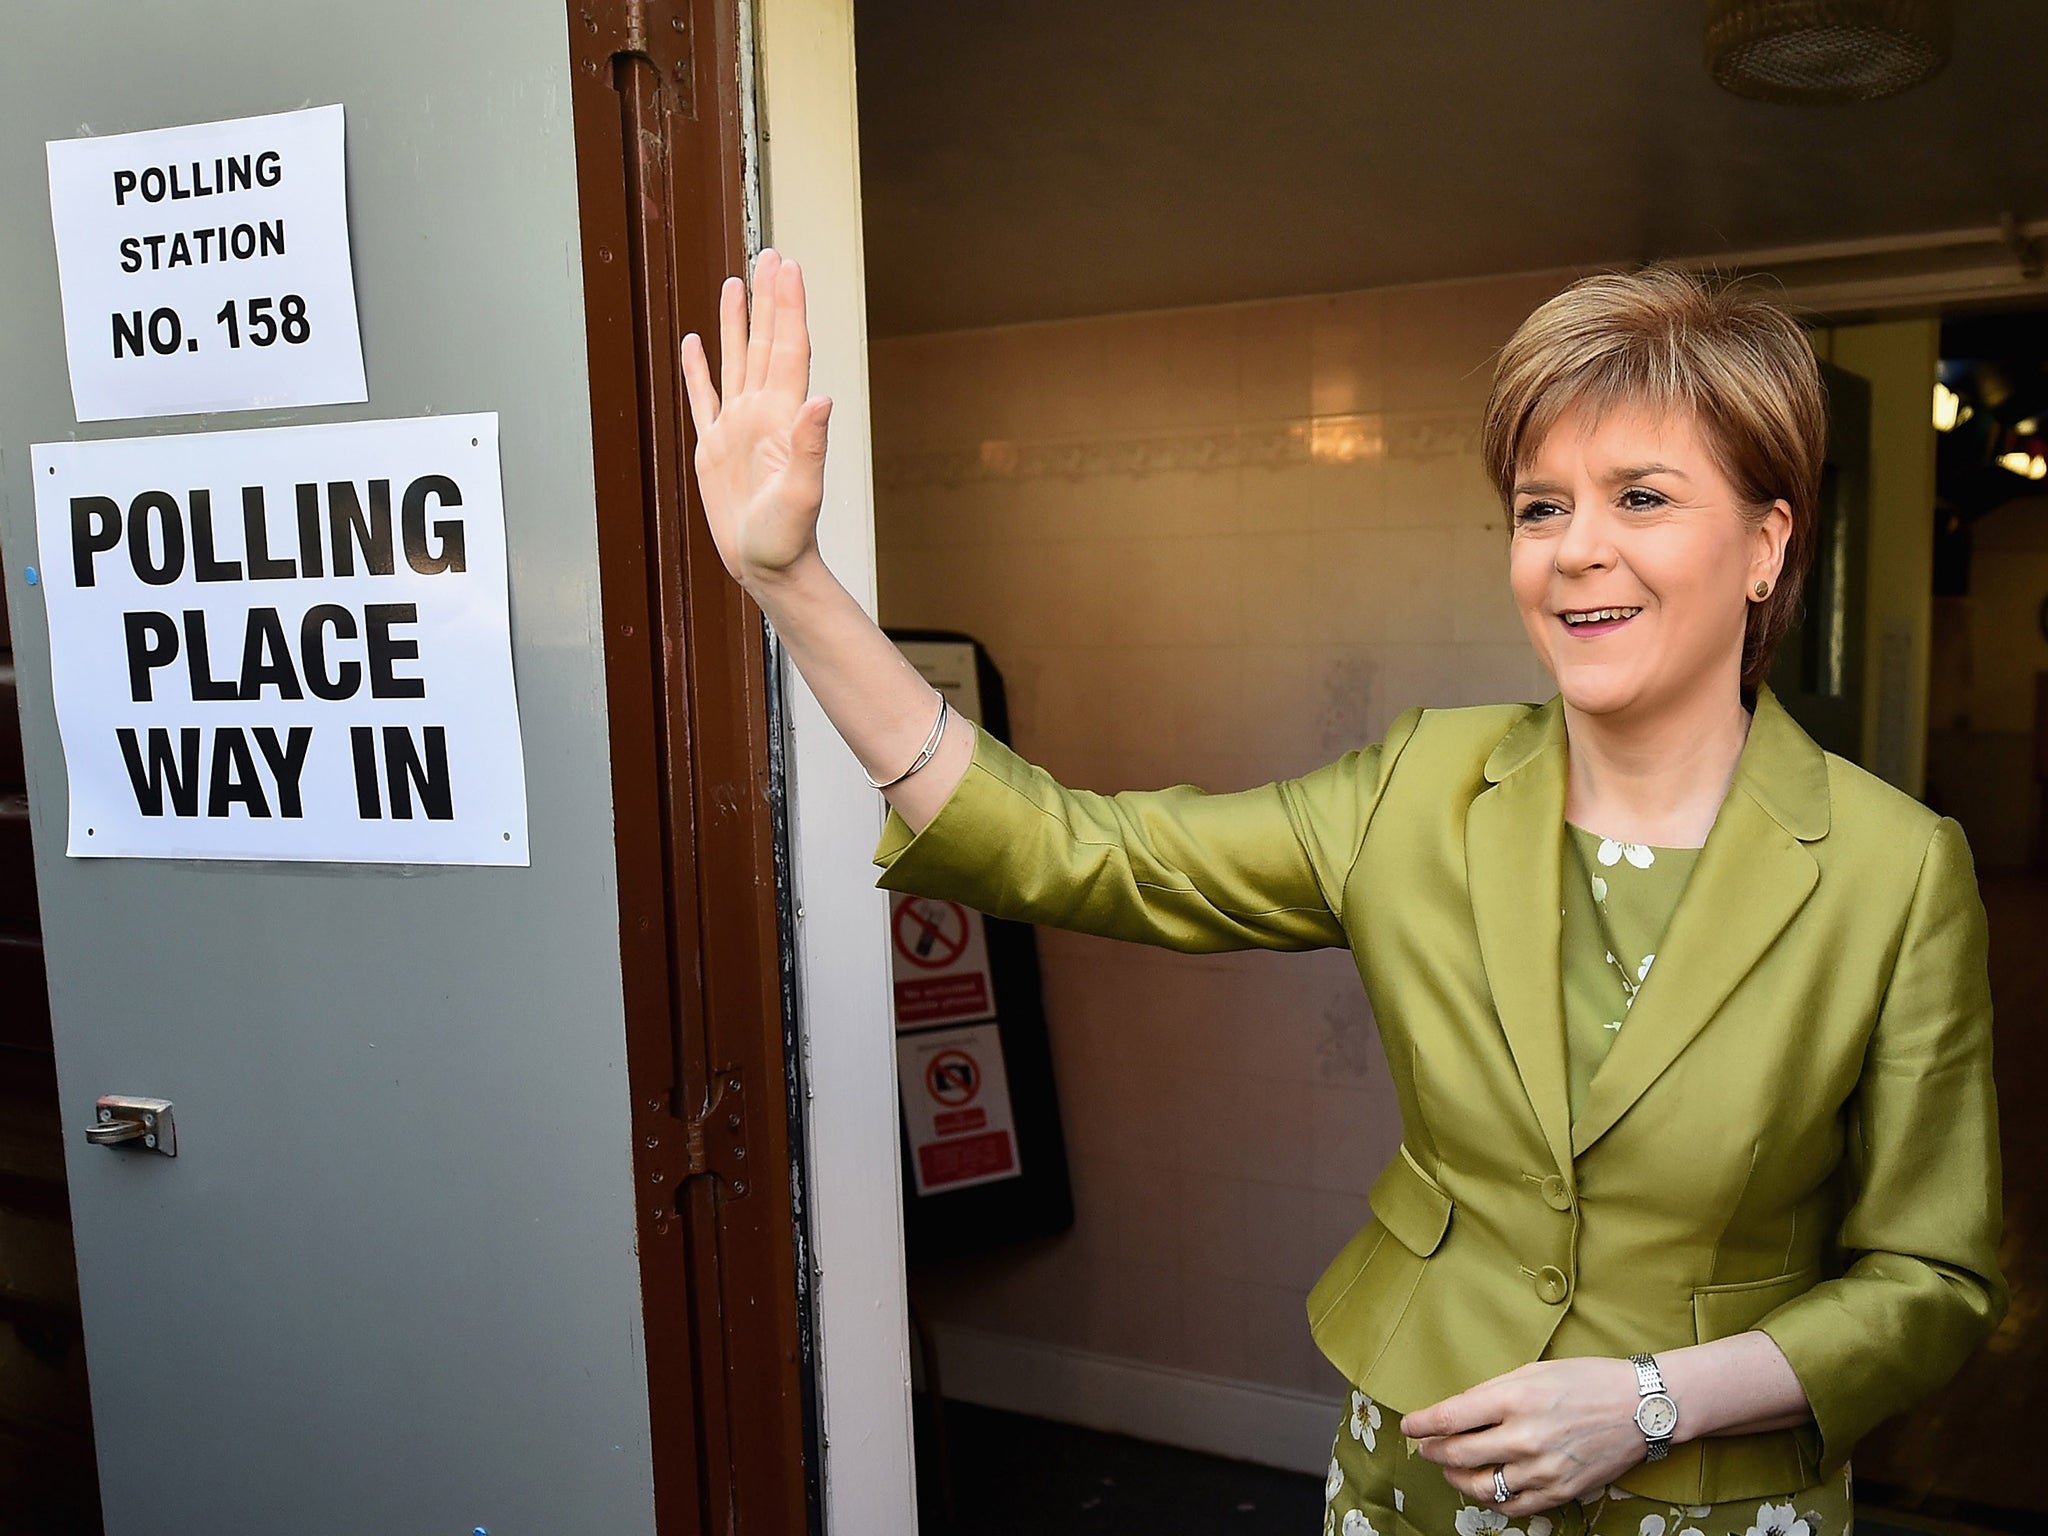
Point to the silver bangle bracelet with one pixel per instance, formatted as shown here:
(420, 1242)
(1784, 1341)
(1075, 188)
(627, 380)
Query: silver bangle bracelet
(931, 745)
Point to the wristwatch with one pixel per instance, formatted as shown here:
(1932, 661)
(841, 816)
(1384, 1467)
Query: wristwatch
(1656, 1414)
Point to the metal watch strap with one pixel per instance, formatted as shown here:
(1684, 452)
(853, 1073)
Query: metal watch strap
(1648, 1378)
(1649, 1383)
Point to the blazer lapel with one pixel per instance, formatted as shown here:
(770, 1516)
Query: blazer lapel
(1753, 876)
(1514, 850)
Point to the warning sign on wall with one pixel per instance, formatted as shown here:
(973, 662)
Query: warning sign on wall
(940, 959)
(956, 1106)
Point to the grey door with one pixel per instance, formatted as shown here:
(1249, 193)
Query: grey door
(390, 1282)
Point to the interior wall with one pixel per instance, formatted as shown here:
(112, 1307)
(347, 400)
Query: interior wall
(2008, 584)
(1898, 357)
(1217, 545)
(1981, 737)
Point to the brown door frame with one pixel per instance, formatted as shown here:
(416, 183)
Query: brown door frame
(696, 787)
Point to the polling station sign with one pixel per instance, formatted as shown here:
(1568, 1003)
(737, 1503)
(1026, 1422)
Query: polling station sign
(290, 643)
(206, 267)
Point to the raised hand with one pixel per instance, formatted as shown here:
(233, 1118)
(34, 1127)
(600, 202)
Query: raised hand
(761, 442)
(761, 470)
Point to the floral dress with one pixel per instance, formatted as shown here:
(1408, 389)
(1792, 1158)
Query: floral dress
(1618, 899)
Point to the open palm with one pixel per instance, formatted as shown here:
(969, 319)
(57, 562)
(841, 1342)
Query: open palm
(760, 440)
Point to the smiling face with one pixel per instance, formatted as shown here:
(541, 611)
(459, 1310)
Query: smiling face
(1632, 562)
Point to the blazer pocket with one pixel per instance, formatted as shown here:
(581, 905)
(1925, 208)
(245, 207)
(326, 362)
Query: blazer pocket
(1721, 1311)
(1411, 1205)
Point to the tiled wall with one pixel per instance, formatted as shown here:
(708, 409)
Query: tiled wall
(1216, 546)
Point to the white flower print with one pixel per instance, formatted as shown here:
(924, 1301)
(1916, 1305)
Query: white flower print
(1692, 1530)
(1615, 1025)
(1365, 1420)
(1643, 971)
(1697, 1512)
(1334, 1484)
(1355, 1524)
(1653, 1525)
(1612, 852)
(1400, 1501)
(1599, 889)
(1474, 1521)
(1777, 1520)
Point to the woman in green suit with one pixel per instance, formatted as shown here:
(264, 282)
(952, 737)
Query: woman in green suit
(1687, 1019)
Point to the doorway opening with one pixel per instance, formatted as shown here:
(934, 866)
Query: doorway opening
(1179, 339)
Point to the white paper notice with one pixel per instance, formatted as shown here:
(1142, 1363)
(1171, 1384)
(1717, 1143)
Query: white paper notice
(939, 955)
(290, 643)
(956, 1107)
(207, 268)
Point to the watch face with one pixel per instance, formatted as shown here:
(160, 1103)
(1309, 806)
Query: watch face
(1657, 1415)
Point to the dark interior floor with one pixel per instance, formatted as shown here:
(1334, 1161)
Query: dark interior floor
(1012, 1475)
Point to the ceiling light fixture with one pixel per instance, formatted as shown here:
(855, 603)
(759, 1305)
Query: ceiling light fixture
(1826, 50)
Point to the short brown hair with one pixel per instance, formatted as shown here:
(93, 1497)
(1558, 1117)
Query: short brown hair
(1673, 340)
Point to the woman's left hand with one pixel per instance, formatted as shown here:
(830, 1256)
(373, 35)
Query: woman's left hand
(1561, 1427)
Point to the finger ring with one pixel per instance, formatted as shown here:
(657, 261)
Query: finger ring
(1501, 1492)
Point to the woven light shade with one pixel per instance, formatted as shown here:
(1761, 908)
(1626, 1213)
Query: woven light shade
(1826, 50)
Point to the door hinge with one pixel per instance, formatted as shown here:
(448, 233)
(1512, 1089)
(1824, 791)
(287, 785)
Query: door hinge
(716, 1140)
(655, 30)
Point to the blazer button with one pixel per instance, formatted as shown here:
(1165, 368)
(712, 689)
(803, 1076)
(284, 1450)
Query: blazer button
(1551, 1284)
(1555, 1195)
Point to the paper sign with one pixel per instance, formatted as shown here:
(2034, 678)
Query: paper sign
(956, 1107)
(939, 956)
(948, 665)
(290, 643)
(206, 268)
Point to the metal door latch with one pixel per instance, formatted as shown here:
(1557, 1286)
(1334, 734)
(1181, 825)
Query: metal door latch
(144, 1124)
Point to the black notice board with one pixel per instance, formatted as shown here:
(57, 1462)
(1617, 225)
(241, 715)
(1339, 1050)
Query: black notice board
(1039, 1201)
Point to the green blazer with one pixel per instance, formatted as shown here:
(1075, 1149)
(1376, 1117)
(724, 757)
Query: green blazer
(1796, 1132)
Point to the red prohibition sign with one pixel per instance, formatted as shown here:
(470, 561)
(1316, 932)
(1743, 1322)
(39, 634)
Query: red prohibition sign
(952, 1078)
(922, 940)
